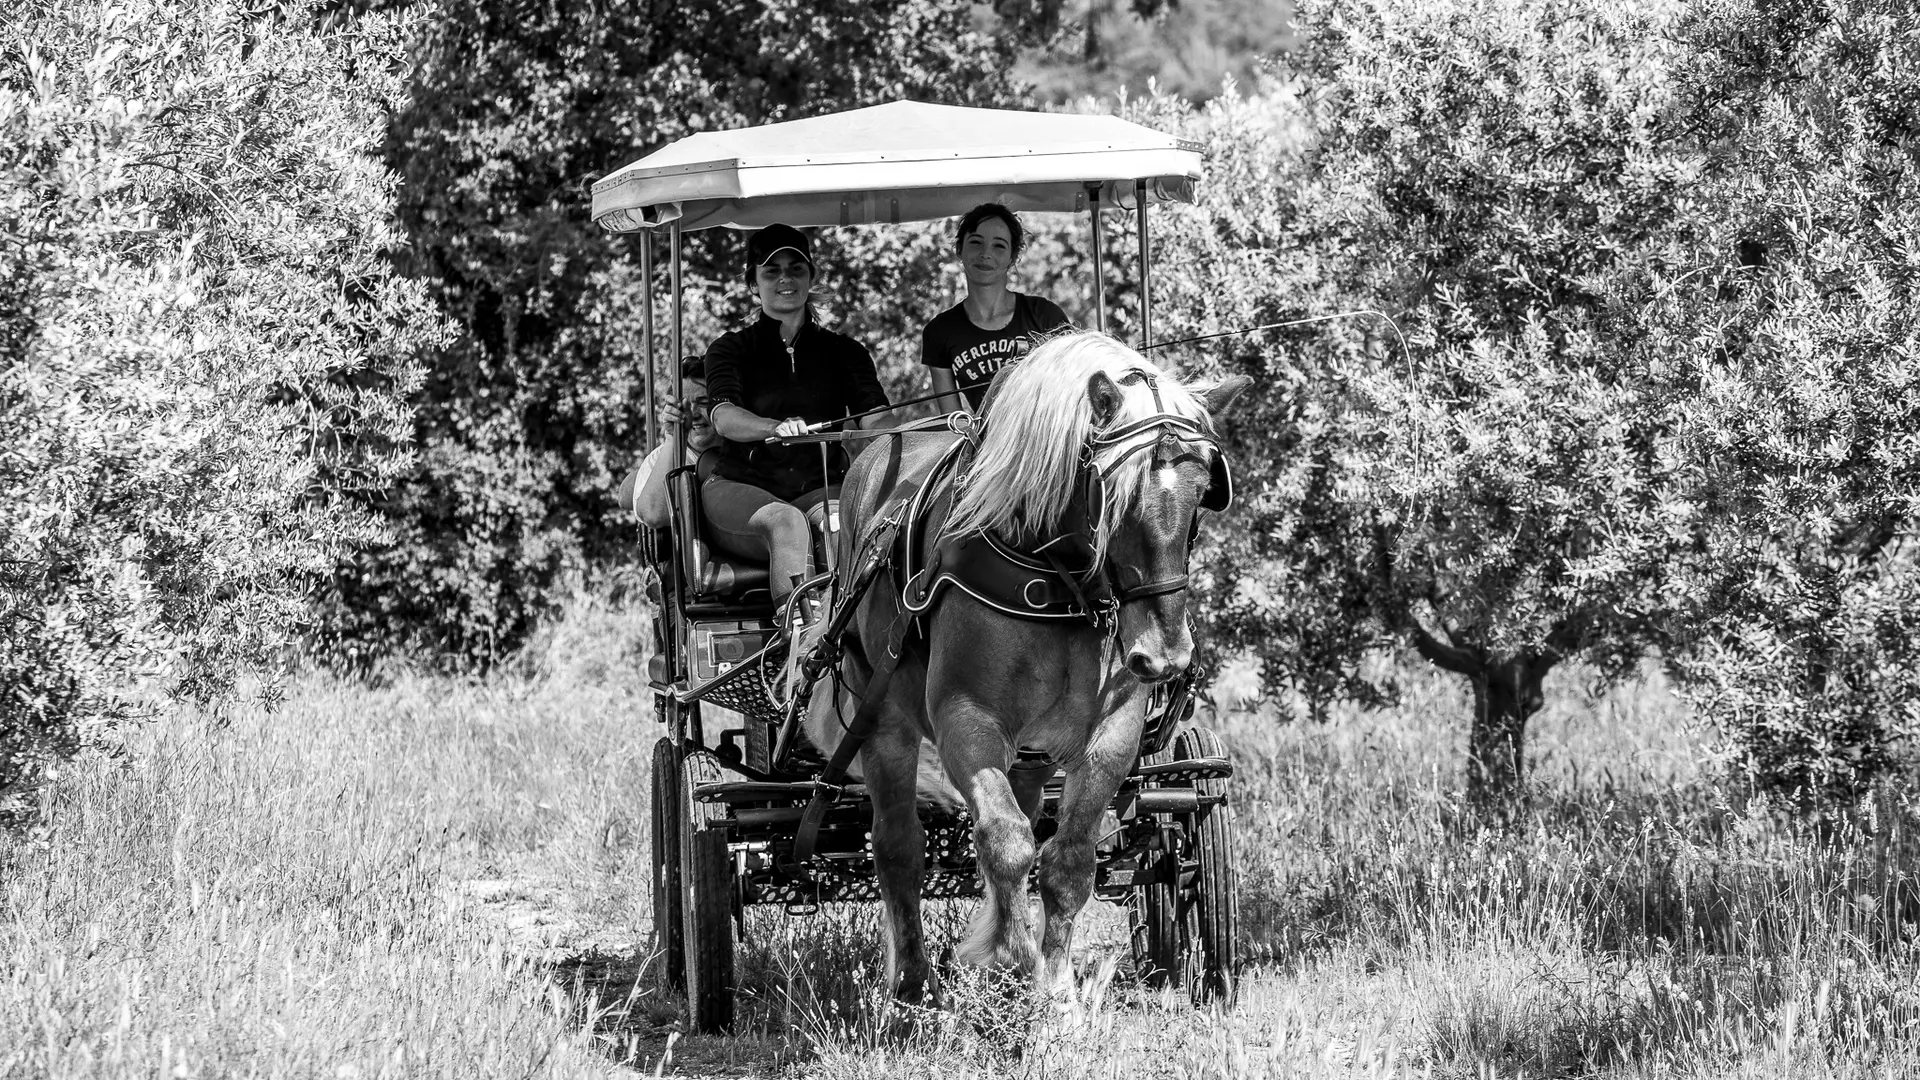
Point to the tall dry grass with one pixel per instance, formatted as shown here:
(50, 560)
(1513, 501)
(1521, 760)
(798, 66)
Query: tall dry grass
(312, 892)
(424, 877)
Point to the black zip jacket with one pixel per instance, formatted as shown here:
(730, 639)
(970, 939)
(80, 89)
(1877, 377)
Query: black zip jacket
(824, 376)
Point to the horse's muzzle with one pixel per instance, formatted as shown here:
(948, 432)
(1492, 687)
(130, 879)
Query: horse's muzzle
(1151, 670)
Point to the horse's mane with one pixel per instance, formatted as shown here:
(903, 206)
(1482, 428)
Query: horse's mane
(1022, 479)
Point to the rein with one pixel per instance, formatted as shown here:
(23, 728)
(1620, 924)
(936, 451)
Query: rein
(959, 423)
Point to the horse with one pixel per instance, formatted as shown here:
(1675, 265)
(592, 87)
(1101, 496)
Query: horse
(1088, 447)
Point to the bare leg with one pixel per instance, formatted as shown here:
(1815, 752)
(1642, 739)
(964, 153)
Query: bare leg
(748, 521)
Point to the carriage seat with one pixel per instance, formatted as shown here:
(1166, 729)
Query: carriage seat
(726, 581)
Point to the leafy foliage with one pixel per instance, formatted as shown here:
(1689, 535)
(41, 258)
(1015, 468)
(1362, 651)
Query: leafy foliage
(1189, 48)
(1655, 391)
(1790, 360)
(1286, 578)
(1494, 168)
(1466, 458)
(202, 346)
(530, 416)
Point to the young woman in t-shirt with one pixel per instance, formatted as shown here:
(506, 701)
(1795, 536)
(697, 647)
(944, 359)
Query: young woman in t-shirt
(965, 344)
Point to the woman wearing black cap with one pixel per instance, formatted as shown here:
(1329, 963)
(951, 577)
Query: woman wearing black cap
(994, 326)
(771, 379)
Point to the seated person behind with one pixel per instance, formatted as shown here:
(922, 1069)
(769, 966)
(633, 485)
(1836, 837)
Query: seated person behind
(965, 344)
(773, 379)
(644, 491)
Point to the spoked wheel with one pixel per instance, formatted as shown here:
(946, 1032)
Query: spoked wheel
(668, 929)
(707, 911)
(1158, 934)
(1216, 888)
(1183, 929)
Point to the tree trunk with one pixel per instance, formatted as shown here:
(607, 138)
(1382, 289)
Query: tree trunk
(1506, 691)
(1505, 694)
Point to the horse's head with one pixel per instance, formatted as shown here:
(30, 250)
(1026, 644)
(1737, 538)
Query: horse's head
(1153, 466)
(1086, 438)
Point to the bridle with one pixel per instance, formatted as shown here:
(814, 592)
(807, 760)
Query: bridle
(1103, 454)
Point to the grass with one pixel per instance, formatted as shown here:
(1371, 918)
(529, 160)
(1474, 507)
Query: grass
(442, 878)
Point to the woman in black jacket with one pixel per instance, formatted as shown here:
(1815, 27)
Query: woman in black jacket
(770, 380)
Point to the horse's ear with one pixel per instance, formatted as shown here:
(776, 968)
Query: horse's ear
(1106, 397)
(1221, 394)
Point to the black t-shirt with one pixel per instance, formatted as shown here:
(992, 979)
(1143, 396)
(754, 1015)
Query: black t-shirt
(952, 341)
(825, 376)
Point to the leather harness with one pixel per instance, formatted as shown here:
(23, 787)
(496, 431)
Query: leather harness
(1041, 584)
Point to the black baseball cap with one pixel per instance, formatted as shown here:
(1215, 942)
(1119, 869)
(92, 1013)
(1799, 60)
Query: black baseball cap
(773, 239)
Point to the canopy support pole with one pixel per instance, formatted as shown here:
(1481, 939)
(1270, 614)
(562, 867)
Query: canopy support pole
(673, 270)
(685, 503)
(1099, 270)
(646, 336)
(1146, 267)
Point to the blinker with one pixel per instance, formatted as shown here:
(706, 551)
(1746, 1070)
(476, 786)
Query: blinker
(1219, 493)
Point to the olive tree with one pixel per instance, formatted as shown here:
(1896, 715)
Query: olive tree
(1485, 173)
(202, 345)
(1787, 348)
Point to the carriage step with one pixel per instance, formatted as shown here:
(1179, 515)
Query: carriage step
(739, 791)
(1173, 772)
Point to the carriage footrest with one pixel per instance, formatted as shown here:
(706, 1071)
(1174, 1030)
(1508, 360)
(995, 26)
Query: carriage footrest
(1166, 772)
(739, 791)
(742, 687)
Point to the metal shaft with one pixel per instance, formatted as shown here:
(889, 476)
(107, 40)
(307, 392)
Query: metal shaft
(830, 514)
(1099, 269)
(646, 336)
(689, 553)
(673, 266)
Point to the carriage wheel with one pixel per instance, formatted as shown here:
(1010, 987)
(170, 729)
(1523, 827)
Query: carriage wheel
(1158, 933)
(708, 903)
(1215, 896)
(1183, 930)
(668, 930)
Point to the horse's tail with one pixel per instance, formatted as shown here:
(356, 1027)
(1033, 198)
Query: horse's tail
(934, 788)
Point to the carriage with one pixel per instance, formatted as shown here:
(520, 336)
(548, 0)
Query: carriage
(751, 814)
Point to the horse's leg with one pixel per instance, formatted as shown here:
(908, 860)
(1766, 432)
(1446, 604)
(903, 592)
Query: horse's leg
(1067, 861)
(891, 761)
(976, 754)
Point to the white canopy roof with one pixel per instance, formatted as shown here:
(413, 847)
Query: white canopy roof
(904, 161)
